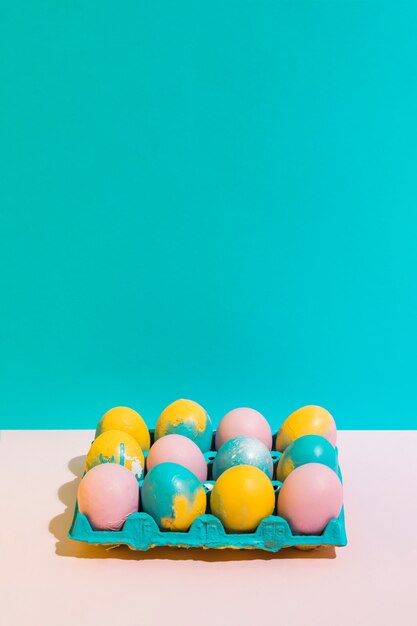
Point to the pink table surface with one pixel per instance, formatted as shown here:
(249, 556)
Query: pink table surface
(48, 579)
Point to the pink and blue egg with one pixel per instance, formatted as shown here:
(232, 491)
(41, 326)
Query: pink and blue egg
(173, 496)
(243, 451)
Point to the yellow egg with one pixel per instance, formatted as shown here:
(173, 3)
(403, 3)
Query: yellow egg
(309, 420)
(125, 419)
(116, 446)
(241, 497)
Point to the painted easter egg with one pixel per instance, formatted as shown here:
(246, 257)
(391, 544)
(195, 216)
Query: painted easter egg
(307, 449)
(243, 451)
(173, 496)
(116, 446)
(129, 421)
(309, 498)
(187, 418)
(181, 450)
(243, 422)
(242, 497)
(107, 495)
(309, 420)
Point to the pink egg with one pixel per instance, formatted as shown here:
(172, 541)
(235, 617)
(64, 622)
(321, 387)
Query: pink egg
(181, 450)
(107, 494)
(244, 422)
(309, 498)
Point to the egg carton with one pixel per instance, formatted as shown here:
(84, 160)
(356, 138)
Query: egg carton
(140, 531)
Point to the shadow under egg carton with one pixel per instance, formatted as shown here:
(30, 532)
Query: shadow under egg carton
(140, 531)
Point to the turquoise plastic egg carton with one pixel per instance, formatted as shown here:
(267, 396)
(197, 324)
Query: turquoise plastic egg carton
(140, 531)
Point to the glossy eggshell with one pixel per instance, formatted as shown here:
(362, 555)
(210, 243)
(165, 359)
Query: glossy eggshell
(241, 498)
(243, 451)
(116, 446)
(187, 418)
(181, 450)
(306, 449)
(309, 498)
(244, 422)
(173, 496)
(107, 495)
(129, 421)
(308, 420)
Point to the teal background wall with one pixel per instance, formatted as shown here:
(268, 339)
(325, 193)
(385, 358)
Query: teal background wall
(210, 200)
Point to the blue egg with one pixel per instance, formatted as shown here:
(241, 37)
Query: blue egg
(307, 449)
(173, 496)
(243, 451)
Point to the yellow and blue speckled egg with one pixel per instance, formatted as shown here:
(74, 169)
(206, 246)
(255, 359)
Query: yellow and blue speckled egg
(187, 418)
(116, 446)
(306, 449)
(129, 421)
(173, 496)
(242, 497)
(309, 420)
(243, 451)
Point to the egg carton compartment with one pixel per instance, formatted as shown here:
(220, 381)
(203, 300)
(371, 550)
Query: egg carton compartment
(141, 532)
